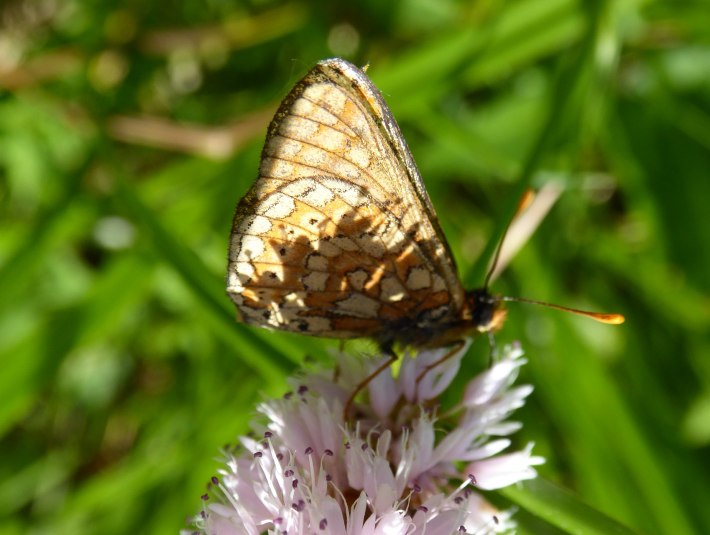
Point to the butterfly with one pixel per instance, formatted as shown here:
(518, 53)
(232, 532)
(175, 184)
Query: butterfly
(338, 237)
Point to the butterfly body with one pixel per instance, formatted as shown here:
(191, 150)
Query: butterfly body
(337, 237)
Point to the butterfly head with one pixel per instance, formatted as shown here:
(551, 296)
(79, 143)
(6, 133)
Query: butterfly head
(487, 311)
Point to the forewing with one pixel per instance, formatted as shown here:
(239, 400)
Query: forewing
(338, 237)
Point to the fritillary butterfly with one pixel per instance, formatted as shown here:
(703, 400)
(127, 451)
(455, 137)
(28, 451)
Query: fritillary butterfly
(337, 237)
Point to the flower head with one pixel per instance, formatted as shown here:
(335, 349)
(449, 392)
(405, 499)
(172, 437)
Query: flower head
(398, 467)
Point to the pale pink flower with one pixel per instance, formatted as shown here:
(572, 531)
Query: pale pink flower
(395, 468)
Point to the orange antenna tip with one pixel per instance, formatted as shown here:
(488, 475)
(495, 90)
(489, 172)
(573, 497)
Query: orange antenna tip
(611, 319)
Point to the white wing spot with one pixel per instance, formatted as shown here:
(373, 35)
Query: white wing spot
(295, 298)
(271, 167)
(357, 278)
(316, 262)
(358, 305)
(418, 278)
(295, 127)
(315, 281)
(240, 273)
(275, 318)
(310, 192)
(315, 324)
(349, 193)
(439, 285)
(330, 140)
(313, 157)
(345, 243)
(252, 248)
(243, 270)
(277, 206)
(394, 239)
(308, 109)
(359, 156)
(371, 244)
(346, 169)
(334, 98)
(327, 248)
(284, 147)
(315, 92)
(391, 290)
(255, 225)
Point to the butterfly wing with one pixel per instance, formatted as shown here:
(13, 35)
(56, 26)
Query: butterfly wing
(338, 237)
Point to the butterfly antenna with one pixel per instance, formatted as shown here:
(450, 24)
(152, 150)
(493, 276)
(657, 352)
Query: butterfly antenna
(524, 202)
(610, 319)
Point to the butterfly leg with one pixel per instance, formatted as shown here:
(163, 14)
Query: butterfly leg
(455, 348)
(391, 357)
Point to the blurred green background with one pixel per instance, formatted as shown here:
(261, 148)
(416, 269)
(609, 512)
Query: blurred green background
(129, 130)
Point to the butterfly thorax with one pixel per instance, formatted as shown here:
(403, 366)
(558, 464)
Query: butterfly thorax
(481, 313)
(487, 312)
